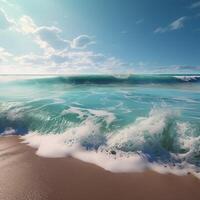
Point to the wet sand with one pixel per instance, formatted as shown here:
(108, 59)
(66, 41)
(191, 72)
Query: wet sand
(25, 176)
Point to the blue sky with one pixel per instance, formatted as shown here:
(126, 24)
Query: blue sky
(99, 36)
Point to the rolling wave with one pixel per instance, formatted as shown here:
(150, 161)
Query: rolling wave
(118, 128)
(188, 78)
(111, 79)
(155, 141)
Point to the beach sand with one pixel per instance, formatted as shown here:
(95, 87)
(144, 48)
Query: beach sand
(25, 176)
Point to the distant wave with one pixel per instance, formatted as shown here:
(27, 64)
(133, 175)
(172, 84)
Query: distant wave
(112, 79)
(188, 78)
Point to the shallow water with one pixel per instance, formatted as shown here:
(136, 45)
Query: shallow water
(121, 123)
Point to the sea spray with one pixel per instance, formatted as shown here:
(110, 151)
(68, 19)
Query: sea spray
(121, 123)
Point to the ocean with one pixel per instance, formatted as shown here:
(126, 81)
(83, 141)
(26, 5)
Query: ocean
(121, 123)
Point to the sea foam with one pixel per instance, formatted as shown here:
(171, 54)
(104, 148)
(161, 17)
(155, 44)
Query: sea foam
(187, 78)
(127, 150)
(122, 124)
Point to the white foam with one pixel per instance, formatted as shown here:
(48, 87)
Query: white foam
(121, 76)
(60, 145)
(74, 110)
(187, 140)
(9, 131)
(108, 116)
(166, 169)
(70, 144)
(133, 163)
(187, 78)
(152, 124)
(55, 146)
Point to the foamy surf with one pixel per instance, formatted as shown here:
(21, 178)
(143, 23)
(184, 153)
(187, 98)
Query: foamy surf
(126, 150)
(122, 124)
(188, 78)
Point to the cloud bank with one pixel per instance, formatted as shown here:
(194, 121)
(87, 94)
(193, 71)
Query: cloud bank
(59, 55)
(81, 42)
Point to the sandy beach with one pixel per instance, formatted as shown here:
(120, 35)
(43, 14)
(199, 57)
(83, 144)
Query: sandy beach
(25, 176)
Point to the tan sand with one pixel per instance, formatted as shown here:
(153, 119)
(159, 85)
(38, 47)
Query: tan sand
(25, 176)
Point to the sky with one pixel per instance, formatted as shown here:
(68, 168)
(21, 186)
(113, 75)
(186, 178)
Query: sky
(99, 36)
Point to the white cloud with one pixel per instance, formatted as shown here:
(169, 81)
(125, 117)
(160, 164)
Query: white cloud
(5, 22)
(59, 55)
(174, 69)
(4, 55)
(81, 42)
(47, 37)
(195, 5)
(26, 25)
(175, 25)
(31, 59)
(51, 36)
(69, 62)
(160, 30)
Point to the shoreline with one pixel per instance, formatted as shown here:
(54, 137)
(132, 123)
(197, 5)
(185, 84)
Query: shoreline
(24, 175)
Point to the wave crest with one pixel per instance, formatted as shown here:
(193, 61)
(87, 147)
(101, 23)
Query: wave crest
(157, 142)
(107, 79)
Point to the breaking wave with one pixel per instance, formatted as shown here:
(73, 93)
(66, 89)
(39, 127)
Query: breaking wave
(158, 141)
(110, 79)
(120, 129)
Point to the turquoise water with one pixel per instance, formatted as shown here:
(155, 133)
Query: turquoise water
(154, 116)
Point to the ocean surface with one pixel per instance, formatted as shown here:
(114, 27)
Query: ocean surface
(121, 123)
